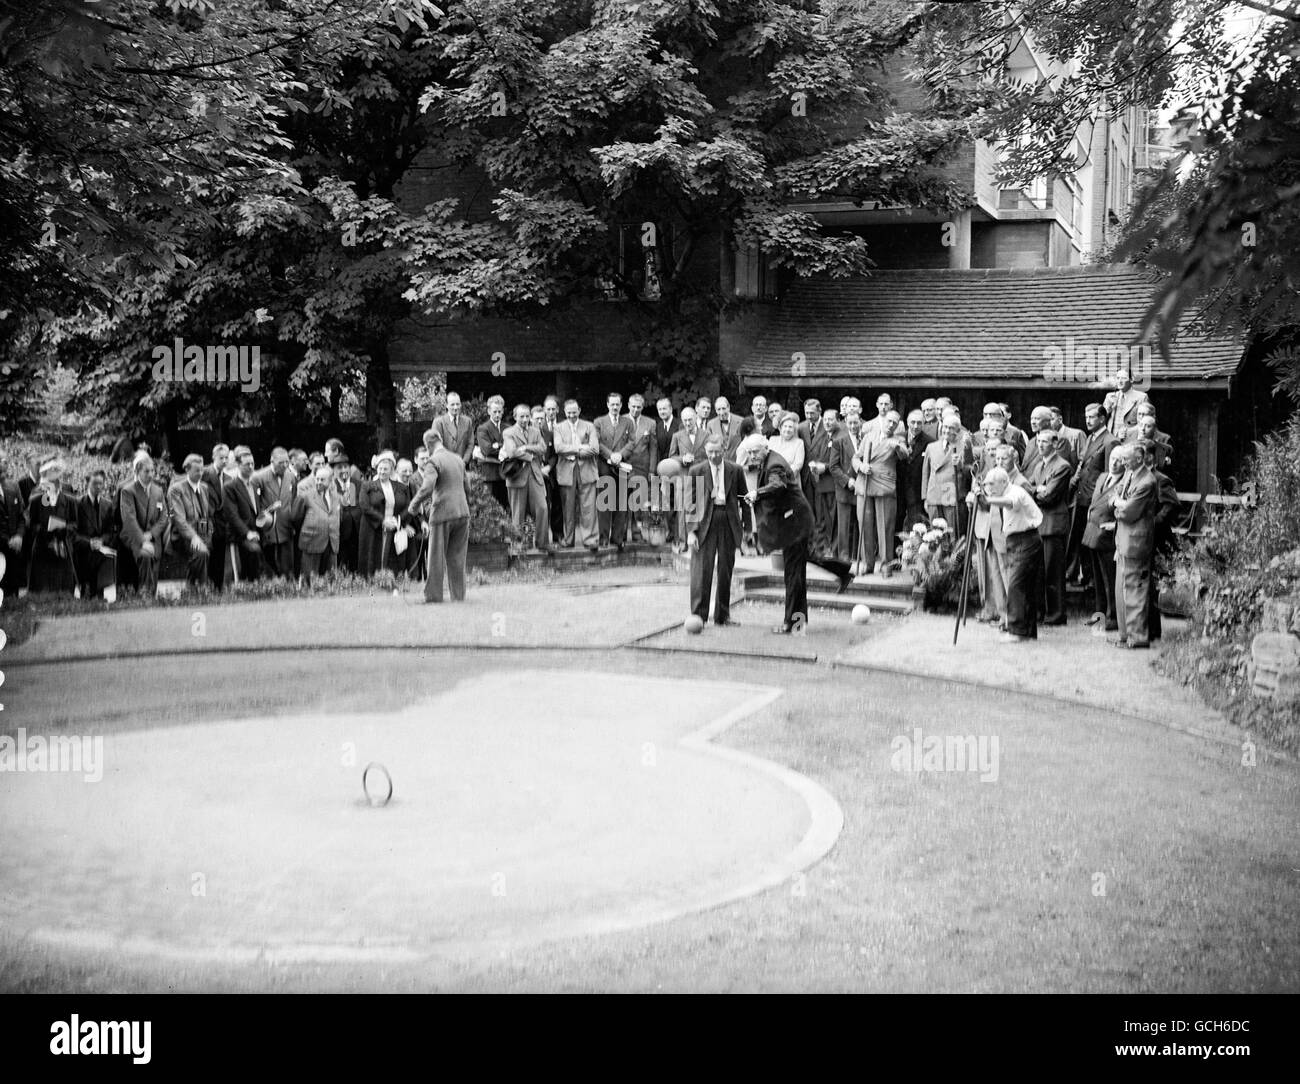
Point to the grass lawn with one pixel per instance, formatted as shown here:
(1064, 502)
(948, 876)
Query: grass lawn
(1109, 855)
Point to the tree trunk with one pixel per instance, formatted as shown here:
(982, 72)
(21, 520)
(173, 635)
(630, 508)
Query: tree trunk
(381, 396)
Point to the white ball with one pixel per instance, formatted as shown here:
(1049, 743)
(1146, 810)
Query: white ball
(861, 614)
(693, 625)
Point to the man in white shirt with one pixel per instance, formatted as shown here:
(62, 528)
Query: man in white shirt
(1023, 563)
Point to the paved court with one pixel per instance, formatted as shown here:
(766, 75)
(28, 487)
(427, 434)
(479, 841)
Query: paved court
(555, 813)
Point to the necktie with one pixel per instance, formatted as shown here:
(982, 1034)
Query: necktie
(327, 502)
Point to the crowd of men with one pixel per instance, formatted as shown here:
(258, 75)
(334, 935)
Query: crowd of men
(864, 480)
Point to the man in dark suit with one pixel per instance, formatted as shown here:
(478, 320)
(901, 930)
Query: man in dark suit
(1040, 418)
(1135, 503)
(818, 482)
(665, 427)
(142, 510)
(13, 531)
(615, 434)
(1049, 479)
(783, 521)
(347, 487)
(554, 501)
(212, 479)
(839, 465)
(239, 502)
(911, 496)
(446, 489)
(97, 531)
(1094, 461)
(30, 479)
(316, 518)
(643, 456)
(714, 489)
(488, 439)
(456, 430)
(191, 513)
(723, 425)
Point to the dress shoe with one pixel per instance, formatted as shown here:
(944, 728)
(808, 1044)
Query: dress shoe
(782, 630)
(730, 623)
(1117, 643)
(1054, 624)
(1137, 645)
(845, 580)
(1095, 618)
(1011, 638)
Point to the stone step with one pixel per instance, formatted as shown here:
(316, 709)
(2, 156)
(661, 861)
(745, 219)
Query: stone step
(897, 586)
(830, 601)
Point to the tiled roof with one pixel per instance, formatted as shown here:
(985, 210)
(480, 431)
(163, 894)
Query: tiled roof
(979, 325)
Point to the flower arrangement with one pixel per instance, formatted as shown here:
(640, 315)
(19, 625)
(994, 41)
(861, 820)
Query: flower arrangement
(934, 558)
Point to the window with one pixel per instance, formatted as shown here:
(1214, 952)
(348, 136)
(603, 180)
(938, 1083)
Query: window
(640, 251)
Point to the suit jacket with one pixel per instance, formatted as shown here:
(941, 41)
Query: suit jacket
(272, 489)
(613, 438)
(644, 452)
(1162, 441)
(489, 439)
(782, 516)
(317, 527)
(239, 510)
(96, 519)
(572, 469)
(730, 438)
(547, 432)
(1031, 457)
(516, 440)
(839, 464)
(446, 488)
(945, 474)
(664, 437)
(1054, 502)
(1121, 410)
(13, 512)
(213, 481)
(883, 457)
(144, 515)
(911, 488)
(372, 502)
(685, 444)
(191, 516)
(1094, 461)
(817, 449)
(699, 495)
(1100, 511)
(1135, 524)
(457, 437)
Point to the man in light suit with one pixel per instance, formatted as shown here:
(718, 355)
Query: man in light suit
(455, 429)
(522, 444)
(317, 517)
(615, 434)
(1135, 505)
(239, 501)
(276, 484)
(1122, 403)
(714, 489)
(577, 448)
(1049, 479)
(945, 473)
(446, 489)
(880, 452)
(142, 510)
(686, 447)
(192, 515)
